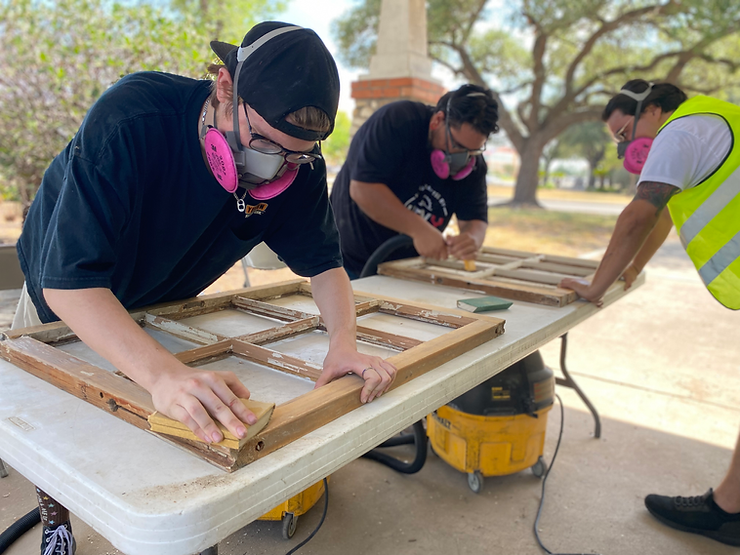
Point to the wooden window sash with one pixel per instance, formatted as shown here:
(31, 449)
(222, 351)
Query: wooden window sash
(35, 350)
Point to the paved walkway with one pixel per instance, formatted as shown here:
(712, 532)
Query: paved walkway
(560, 205)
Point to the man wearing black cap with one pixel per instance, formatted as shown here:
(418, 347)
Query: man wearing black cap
(410, 167)
(170, 181)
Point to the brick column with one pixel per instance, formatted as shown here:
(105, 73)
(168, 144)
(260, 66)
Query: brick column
(371, 94)
(400, 69)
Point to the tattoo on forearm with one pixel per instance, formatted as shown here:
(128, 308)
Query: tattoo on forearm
(657, 194)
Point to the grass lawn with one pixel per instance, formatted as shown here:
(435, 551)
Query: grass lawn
(561, 233)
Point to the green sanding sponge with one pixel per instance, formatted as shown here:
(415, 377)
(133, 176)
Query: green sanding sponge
(483, 304)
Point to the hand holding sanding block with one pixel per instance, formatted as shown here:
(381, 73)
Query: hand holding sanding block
(263, 411)
(483, 304)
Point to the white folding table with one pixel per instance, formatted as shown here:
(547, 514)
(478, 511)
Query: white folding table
(147, 497)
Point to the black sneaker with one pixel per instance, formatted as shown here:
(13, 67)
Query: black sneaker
(58, 540)
(698, 514)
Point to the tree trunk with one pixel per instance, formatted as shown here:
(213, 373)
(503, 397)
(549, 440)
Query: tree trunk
(525, 191)
(592, 177)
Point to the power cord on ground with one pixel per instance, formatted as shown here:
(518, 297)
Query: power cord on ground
(544, 482)
(323, 516)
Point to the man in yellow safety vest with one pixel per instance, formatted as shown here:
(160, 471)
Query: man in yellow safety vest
(687, 154)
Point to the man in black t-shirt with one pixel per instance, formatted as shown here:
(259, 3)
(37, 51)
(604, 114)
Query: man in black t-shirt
(170, 181)
(410, 167)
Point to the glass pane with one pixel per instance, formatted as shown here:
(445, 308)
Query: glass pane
(313, 347)
(265, 384)
(231, 323)
(405, 327)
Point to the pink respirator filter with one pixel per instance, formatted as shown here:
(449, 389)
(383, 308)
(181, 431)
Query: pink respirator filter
(274, 188)
(221, 160)
(439, 164)
(636, 154)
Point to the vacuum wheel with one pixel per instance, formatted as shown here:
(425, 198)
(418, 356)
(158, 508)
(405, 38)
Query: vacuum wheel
(290, 523)
(475, 481)
(539, 468)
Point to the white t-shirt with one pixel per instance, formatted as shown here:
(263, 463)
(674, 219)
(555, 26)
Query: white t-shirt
(687, 150)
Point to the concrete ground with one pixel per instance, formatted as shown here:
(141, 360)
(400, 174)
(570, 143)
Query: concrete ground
(661, 366)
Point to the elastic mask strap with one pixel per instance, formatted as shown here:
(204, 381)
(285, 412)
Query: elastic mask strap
(242, 54)
(245, 52)
(639, 97)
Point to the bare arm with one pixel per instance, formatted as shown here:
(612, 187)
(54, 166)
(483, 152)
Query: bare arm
(633, 227)
(466, 245)
(180, 392)
(649, 248)
(382, 206)
(333, 295)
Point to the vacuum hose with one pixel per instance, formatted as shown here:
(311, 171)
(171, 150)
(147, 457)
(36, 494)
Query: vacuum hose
(419, 437)
(18, 528)
(382, 253)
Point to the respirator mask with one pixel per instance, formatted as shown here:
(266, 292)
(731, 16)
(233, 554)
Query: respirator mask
(635, 151)
(458, 165)
(263, 168)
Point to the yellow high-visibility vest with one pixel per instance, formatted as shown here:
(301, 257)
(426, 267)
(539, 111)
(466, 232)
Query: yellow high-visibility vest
(707, 216)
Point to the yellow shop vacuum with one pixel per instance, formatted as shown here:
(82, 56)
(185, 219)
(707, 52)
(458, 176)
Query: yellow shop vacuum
(287, 513)
(498, 427)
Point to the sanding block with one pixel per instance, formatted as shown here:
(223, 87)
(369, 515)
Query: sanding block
(483, 304)
(162, 424)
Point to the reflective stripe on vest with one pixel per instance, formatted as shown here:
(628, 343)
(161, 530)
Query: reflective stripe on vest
(707, 216)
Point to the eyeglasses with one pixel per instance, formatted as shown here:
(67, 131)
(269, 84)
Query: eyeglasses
(619, 136)
(266, 146)
(453, 142)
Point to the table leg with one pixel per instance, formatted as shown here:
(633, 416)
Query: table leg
(3, 469)
(568, 381)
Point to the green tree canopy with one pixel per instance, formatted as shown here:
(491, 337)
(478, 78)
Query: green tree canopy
(230, 19)
(334, 149)
(589, 140)
(554, 63)
(59, 57)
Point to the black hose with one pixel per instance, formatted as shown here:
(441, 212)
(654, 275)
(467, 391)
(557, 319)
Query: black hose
(18, 528)
(419, 437)
(403, 439)
(382, 253)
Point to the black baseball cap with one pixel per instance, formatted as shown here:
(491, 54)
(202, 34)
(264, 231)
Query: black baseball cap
(287, 70)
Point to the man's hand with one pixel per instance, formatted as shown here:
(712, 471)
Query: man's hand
(193, 397)
(629, 276)
(430, 243)
(584, 289)
(377, 373)
(463, 246)
(178, 391)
